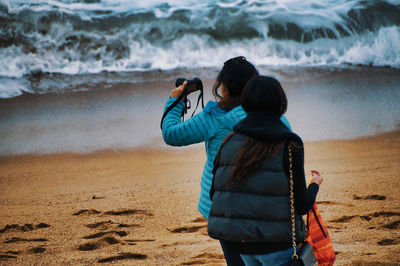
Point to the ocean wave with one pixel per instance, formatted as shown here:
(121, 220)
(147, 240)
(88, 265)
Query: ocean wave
(89, 36)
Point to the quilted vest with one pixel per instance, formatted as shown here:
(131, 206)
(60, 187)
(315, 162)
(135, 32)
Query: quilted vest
(258, 208)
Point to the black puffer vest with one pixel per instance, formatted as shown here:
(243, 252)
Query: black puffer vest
(257, 210)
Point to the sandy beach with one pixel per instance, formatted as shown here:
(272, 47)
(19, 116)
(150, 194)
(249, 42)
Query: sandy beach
(85, 176)
(138, 207)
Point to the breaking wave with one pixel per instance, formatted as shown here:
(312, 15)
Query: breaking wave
(90, 36)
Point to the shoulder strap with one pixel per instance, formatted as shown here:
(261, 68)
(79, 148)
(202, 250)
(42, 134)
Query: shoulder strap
(292, 214)
(186, 101)
(198, 101)
(172, 106)
(319, 223)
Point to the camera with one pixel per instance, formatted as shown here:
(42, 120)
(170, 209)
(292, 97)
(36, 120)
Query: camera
(191, 86)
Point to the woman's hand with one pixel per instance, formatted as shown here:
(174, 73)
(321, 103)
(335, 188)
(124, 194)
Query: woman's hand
(178, 90)
(316, 177)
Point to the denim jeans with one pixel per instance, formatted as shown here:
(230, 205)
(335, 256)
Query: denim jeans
(232, 257)
(278, 258)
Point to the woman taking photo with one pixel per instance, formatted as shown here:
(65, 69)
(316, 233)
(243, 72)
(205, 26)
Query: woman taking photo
(250, 193)
(211, 126)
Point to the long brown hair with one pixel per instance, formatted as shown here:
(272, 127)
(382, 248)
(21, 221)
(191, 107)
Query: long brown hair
(260, 94)
(250, 157)
(235, 73)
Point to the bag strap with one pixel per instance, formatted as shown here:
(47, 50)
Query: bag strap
(319, 223)
(180, 97)
(198, 101)
(292, 214)
(187, 104)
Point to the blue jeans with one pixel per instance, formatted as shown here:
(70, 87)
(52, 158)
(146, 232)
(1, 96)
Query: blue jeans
(232, 257)
(278, 258)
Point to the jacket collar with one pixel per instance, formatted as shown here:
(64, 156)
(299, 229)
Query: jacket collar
(266, 126)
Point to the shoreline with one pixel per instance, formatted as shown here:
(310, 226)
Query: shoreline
(324, 104)
(166, 148)
(141, 205)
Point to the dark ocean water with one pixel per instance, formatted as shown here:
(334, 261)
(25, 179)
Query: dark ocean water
(79, 37)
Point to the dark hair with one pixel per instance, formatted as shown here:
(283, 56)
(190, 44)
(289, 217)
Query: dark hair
(264, 94)
(260, 94)
(235, 73)
(249, 157)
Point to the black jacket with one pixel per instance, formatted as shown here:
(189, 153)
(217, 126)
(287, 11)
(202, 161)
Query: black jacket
(254, 215)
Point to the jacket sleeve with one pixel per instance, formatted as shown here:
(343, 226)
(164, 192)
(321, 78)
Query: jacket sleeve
(177, 133)
(304, 197)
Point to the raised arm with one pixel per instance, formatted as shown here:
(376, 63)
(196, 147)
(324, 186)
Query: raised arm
(177, 133)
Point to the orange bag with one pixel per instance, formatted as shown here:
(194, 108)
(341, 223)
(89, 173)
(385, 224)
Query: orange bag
(319, 238)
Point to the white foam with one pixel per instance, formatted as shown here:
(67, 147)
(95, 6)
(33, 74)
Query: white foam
(380, 50)
(10, 88)
(194, 47)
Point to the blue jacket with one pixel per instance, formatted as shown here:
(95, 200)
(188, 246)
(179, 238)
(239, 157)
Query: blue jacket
(211, 125)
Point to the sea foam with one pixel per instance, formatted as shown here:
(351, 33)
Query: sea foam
(80, 36)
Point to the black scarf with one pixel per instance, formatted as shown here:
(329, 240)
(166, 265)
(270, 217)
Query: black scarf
(266, 126)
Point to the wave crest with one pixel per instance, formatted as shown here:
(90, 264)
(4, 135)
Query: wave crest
(78, 36)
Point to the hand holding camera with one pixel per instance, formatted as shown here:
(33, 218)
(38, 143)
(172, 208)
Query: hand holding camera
(187, 86)
(178, 90)
(183, 88)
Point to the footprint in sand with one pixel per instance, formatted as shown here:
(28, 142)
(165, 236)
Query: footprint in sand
(104, 225)
(9, 255)
(210, 256)
(127, 225)
(204, 258)
(37, 250)
(133, 242)
(187, 229)
(123, 256)
(387, 242)
(369, 197)
(113, 212)
(392, 226)
(108, 240)
(13, 254)
(195, 262)
(190, 229)
(127, 212)
(24, 228)
(18, 239)
(105, 238)
(86, 211)
(100, 234)
(199, 220)
(345, 218)
(385, 214)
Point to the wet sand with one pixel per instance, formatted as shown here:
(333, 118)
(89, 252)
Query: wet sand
(130, 199)
(138, 207)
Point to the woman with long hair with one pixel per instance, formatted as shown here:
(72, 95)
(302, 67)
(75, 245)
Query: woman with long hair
(211, 126)
(250, 193)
